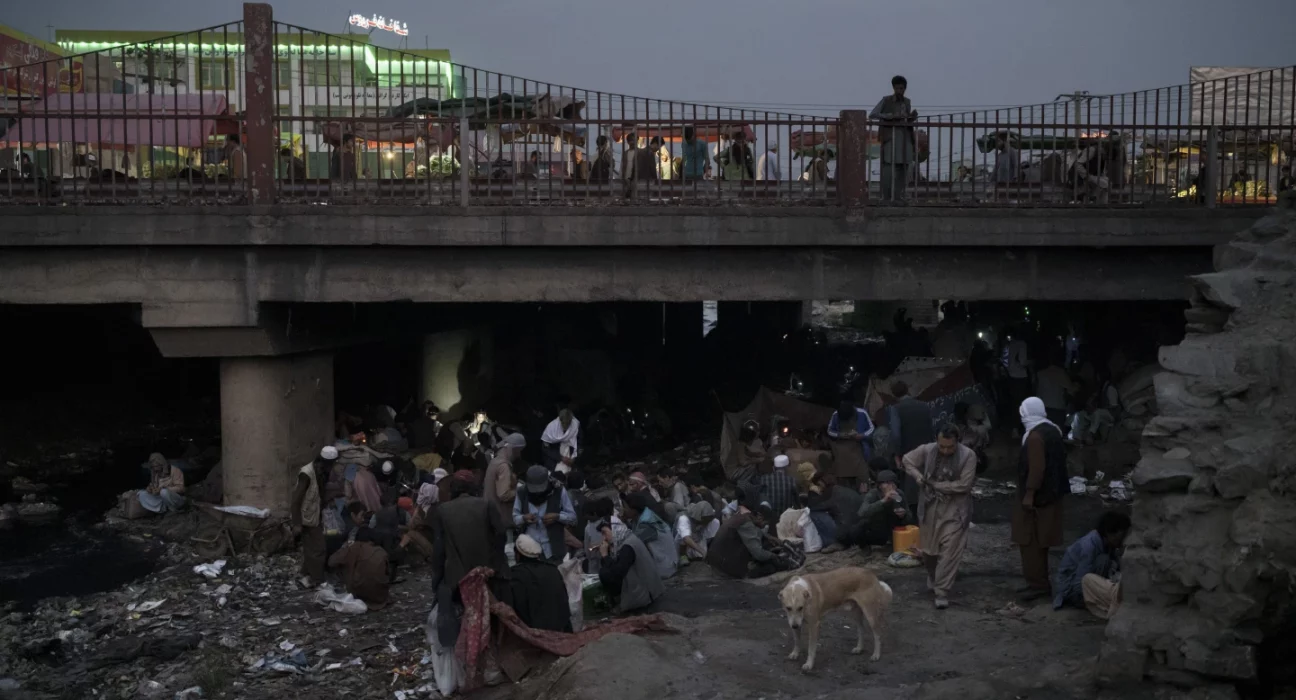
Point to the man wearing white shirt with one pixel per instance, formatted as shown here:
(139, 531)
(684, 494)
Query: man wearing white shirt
(558, 444)
(769, 164)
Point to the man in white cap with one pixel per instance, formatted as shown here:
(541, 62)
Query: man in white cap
(538, 591)
(307, 507)
(544, 509)
(499, 485)
(778, 488)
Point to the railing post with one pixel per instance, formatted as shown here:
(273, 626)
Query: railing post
(852, 159)
(463, 161)
(258, 101)
(1210, 181)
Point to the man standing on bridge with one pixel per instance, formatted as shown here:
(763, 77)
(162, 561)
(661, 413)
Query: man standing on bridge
(896, 136)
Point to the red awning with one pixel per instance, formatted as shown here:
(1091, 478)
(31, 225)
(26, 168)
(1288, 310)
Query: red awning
(120, 120)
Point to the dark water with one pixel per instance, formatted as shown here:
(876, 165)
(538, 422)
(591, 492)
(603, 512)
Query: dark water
(74, 556)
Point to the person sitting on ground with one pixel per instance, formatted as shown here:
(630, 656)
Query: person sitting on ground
(597, 487)
(539, 593)
(882, 510)
(675, 494)
(364, 571)
(543, 509)
(365, 489)
(823, 511)
(165, 492)
(639, 482)
(695, 527)
(738, 549)
(598, 512)
(1089, 574)
(627, 572)
(778, 488)
(620, 482)
(698, 492)
(644, 517)
(846, 503)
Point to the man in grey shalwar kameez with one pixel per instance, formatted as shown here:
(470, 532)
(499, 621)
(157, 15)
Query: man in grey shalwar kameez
(945, 471)
(896, 138)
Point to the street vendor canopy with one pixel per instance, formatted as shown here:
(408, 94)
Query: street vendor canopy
(707, 133)
(123, 121)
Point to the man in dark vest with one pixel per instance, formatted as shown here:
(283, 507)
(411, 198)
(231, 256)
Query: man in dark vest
(910, 421)
(543, 509)
(738, 549)
(471, 534)
(1042, 481)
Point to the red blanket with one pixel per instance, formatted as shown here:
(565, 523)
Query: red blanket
(475, 629)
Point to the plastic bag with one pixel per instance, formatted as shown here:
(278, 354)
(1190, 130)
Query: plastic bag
(343, 603)
(809, 533)
(574, 580)
(447, 670)
(903, 560)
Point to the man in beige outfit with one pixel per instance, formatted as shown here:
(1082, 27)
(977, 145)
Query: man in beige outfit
(944, 471)
(499, 485)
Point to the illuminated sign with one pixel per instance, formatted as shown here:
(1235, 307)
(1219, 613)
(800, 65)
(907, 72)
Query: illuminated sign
(380, 22)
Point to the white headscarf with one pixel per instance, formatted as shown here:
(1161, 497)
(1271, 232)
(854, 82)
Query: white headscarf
(1033, 415)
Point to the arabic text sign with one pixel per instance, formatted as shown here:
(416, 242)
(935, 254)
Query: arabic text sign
(380, 22)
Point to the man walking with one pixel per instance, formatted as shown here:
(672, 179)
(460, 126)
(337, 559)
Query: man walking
(896, 136)
(945, 471)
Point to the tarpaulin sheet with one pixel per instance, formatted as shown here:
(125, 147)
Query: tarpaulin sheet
(802, 415)
(943, 383)
(119, 120)
(1231, 96)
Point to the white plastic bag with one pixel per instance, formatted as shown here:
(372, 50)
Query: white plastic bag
(446, 667)
(343, 603)
(573, 577)
(810, 534)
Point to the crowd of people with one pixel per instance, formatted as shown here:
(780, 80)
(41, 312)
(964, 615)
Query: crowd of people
(397, 490)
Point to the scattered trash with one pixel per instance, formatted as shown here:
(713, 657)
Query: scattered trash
(146, 606)
(224, 589)
(292, 663)
(357, 661)
(211, 570)
(245, 510)
(150, 689)
(391, 646)
(1118, 491)
(343, 603)
(287, 646)
(903, 560)
(985, 488)
(1012, 610)
(342, 632)
(270, 621)
(698, 656)
(1098, 476)
(1078, 485)
(187, 693)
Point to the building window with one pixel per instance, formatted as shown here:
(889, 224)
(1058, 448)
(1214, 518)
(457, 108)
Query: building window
(418, 79)
(322, 73)
(215, 73)
(283, 74)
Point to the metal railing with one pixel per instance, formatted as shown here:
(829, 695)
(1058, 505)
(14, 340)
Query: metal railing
(260, 112)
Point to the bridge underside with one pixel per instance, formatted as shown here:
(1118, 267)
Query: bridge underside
(193, 286)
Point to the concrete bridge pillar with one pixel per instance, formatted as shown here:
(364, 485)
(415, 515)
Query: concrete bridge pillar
(276, 414)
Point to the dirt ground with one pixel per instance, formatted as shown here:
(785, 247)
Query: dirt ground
(730, 639)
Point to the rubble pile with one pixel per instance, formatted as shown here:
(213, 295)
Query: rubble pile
(1210, 564)
(243, 628)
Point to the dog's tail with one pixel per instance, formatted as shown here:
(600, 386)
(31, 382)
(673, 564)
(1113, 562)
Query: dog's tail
(886, 591)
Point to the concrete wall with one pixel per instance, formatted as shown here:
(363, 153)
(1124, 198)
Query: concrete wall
(218, 286)
(596, 226)
(276, 414)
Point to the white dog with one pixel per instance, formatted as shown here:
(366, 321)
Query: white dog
(806, 598)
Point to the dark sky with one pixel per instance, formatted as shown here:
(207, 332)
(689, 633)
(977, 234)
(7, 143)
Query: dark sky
(796, 53)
